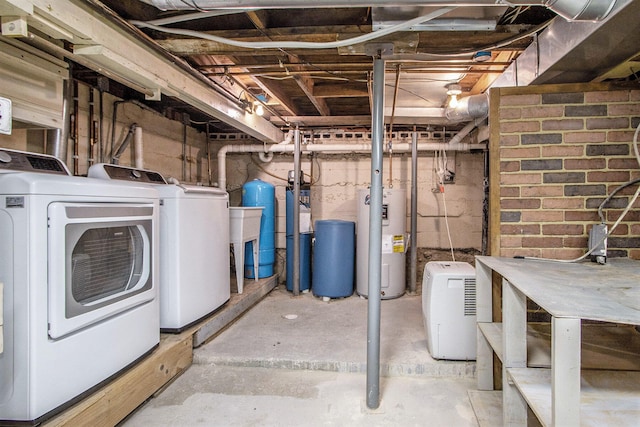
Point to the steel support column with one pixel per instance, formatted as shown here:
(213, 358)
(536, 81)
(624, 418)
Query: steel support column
(375, 237)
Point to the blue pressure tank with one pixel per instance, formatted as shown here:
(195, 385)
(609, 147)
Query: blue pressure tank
(259, 193)
(334, 258)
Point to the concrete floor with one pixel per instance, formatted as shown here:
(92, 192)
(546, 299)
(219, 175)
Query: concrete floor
(293, 361)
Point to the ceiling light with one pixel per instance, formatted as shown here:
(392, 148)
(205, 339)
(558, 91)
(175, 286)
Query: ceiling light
(453, 89)
(258, 108)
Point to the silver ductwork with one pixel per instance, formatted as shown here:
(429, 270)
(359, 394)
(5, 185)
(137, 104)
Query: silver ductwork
(572, 10)
(469, 108)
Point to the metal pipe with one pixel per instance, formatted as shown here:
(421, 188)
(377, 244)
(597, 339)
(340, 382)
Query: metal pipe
(393, 113)
(137, 146)
(413, 260)
(115, 157)
(75, 129)
(102, 87)
(57, 139)
(296, 213)
(92, 129)
(184, 148)
(327, 149)
(208, 142)
(375, 237)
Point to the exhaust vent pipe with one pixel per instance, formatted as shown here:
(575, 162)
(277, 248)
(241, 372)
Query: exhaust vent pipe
(571, 10)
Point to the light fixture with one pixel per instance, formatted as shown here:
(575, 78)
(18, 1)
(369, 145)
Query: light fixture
(258, 107)
(453, 90)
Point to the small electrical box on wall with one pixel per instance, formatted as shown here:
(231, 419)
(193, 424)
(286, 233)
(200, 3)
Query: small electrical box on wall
(5, 116)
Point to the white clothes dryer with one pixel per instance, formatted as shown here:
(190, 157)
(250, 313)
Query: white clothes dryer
(194, 245)
(78, 263)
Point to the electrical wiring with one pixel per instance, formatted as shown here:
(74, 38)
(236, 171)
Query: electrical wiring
(440, 168)
(294, 44)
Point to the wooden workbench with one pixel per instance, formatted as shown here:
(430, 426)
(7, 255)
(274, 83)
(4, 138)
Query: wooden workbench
(568, 392)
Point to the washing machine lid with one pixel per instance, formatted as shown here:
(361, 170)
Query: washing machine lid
(125, 173)
(170, 188)
(23, 161)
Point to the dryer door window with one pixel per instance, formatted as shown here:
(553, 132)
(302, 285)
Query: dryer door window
(100, 259)
(105, 262)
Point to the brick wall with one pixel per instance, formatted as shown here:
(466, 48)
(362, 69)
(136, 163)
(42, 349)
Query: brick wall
(556, 153)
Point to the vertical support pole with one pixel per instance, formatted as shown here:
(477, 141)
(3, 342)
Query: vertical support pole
(296, 213)
(375, 236)
(413, 261)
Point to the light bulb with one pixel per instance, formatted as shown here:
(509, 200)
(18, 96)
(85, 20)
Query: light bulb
(259, 109)
(453, 102)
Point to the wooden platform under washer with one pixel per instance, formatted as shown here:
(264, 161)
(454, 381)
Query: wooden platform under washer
(116, 400)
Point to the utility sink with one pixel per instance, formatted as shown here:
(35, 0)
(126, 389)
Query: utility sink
(244, 226)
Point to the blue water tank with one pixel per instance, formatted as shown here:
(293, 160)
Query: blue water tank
(305, 261)
(259, 193)
(334, 258)
(305, 195)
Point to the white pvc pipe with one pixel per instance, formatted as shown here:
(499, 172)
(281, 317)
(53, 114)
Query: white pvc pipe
(405, 26)
(466, 130)
(137, 146)
(327, 148)
(588, 10)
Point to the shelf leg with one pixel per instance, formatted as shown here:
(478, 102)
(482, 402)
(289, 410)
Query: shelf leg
(484, 362)
(514, 329)
(565, 371)
(484, 352)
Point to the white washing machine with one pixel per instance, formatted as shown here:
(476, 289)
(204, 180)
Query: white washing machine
(79, 272)
(194, 245)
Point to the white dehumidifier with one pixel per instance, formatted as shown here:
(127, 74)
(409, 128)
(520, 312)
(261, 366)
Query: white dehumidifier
(449, 310)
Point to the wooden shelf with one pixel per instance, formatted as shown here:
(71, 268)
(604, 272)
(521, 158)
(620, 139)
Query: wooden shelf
(604, 346)
(607, 398)
(594, 378)
(487, 406)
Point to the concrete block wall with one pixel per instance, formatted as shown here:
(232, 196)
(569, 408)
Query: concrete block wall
(556, 153)
(162, 139)
(337, 178)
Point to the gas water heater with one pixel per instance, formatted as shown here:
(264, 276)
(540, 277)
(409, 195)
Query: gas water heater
(394, 243)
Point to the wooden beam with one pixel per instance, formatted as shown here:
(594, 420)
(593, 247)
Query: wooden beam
(486, 79)
(306, 84)
(347, 90)
(320, 121)
(260, 18)
(277, 95)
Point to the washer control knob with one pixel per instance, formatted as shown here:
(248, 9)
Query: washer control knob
(5, 157)
(136, 174)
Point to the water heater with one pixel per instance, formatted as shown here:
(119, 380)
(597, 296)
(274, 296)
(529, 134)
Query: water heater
(394, 243)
